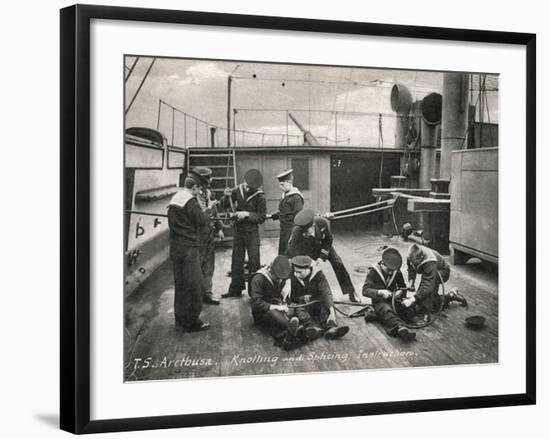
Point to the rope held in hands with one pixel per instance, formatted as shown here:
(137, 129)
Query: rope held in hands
(432, 317)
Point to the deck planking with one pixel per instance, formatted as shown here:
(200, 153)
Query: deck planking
(156, 350)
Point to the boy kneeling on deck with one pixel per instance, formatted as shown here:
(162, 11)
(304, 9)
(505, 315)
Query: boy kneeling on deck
(433, 270)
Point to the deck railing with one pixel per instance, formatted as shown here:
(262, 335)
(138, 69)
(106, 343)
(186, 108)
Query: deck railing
(329, 128)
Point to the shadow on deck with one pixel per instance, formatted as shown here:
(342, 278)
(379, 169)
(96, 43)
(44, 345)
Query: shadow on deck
(156, 350)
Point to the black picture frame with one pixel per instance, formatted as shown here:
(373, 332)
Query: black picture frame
(75, 217)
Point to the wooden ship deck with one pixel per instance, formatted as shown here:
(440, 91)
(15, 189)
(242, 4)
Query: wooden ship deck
(156, 350)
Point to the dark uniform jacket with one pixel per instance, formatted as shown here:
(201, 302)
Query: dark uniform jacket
(210, 209)
(315, 285)
(291, 203)
(185, 220)
(252, 201)
(264, 292)
(428, 265)
(316, 246)
(376, 280)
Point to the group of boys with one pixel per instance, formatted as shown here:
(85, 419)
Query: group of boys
(302, 309)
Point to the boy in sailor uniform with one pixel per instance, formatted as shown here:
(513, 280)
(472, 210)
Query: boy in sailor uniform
(382, 279)
(308, 284)
(185, 220)
(248, 203)
(292, 201)
(208, 234)
(268, 296)
(433, 270)
(311, 236)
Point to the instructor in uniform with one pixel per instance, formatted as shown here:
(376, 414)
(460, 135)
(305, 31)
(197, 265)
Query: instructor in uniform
(311, 237)
(185, 220)
(247, 202)
(292, 201)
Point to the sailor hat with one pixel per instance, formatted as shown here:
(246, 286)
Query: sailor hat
(301, 261)
(284, 176)
(200, 179)
(304, 218)
(203, 171)
(253, 178)
(281, 267)
(392, 258)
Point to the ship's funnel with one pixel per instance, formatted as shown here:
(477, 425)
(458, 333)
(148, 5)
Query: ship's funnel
(401, 99)
(431, 108)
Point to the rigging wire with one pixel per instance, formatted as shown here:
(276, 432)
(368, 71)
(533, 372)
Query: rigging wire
(380, 143)
(131, 69)
(140, 85)
(346, 95)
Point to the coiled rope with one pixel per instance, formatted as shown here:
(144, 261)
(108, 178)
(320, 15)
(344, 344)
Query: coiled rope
(432, 316)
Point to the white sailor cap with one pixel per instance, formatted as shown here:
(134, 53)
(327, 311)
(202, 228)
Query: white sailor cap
(286, 175)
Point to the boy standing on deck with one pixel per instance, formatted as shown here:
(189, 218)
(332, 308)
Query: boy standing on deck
(185, 220)
(247, 201)
(208, 234)
(292, 201)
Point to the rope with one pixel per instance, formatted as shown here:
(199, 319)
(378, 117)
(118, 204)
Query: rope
(394, 222)
(432, 317)
(353, 209)
(349, 215)
(468, 128)
(354, 314)
(487, 110)
(340, 311)
(380, 142)
(303, 305)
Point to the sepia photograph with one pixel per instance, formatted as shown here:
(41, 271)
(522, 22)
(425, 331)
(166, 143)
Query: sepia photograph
(297, 218)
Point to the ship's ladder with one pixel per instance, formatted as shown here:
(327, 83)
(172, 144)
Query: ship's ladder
(224, 172)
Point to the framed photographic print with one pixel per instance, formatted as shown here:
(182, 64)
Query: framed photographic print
(261, 213)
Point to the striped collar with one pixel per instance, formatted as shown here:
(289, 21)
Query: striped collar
(264, 271)
(242, 192)
(181, 198)
(380, 273)
(314, 271)
(425, 261)
(293, 191)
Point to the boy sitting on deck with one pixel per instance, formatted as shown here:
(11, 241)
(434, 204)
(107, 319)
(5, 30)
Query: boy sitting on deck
(382, 279)
(308, 285)
(269, 308)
